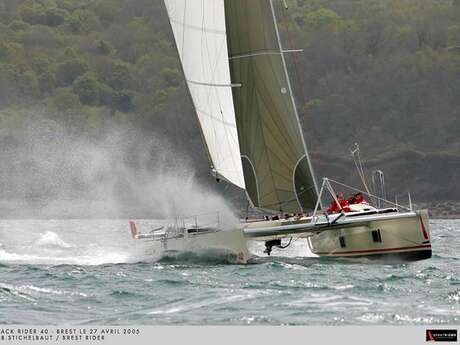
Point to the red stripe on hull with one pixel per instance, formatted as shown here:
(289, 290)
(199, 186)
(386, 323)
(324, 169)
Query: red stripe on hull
(425, 233)
(374, 251)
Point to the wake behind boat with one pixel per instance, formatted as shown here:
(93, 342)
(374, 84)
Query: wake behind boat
(235, 68)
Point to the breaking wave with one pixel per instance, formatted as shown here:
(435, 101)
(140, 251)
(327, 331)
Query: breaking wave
(51, 239)
(98, 258)
(95, 243)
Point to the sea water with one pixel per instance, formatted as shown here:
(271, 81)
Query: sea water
(85, 272)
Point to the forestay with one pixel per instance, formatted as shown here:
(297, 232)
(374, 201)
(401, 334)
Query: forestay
(200, 35)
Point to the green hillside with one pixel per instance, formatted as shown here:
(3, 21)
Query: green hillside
(385, 74)
(90, 57)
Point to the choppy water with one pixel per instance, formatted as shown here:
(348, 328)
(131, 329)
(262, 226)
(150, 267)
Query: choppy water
(86, 272)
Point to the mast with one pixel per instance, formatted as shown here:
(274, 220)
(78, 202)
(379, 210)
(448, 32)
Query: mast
(278, 37)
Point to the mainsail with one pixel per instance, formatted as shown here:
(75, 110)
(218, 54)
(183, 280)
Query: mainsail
(234, 65)
(199, 32)
(276, 166)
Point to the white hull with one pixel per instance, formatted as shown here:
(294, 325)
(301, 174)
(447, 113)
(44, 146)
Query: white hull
(226, 241)
(404, 237)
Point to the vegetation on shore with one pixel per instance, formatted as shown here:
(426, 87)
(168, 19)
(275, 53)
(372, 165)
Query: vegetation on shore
(385, 74)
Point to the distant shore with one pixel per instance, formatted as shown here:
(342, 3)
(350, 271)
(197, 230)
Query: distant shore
(441, 209)
(99, 210)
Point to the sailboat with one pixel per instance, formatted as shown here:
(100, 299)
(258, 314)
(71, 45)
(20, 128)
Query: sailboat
(235, 69)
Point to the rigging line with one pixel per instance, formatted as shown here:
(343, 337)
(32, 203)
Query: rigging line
(232, 156)
(287, 162)
(197, 28)
(214, 157)
(275, 136)
(362, 171)
(216, 93)
(206, 51)
(270, 167)
(288, 200)
(255, 125)
(248, 197)
(282, 161)
(281, 204)
(280, 180)
(358, 170)
(255, 177)
(286, 191)
(275, 74)
(231, 140)
(280, 47)
(359, 166)
(293, 101)
(300, 80)
(262, 130)
(368, 194)
(216, 63)
(271, 172)
(278, 81)
(268, 153)
(289, 191)
(204, 46)
(283, 126)
(228, 124)
(181, 51)
(280, 127)
(230, 153)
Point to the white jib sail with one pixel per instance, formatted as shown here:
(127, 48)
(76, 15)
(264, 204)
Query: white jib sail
(200, 34)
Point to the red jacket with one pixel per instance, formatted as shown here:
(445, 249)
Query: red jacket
(334, 208)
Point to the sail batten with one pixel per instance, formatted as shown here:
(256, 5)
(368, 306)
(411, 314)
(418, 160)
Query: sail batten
(211, 84)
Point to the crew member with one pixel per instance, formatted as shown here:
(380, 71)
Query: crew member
(343, 205)
(358, 198)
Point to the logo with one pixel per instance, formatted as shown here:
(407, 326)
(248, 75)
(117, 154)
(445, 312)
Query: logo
(441, 335)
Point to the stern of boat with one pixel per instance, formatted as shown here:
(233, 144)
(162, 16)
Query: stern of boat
(401, 236)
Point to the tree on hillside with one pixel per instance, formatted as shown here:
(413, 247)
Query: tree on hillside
(82, 21)
(87, 88)
(68, 71)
